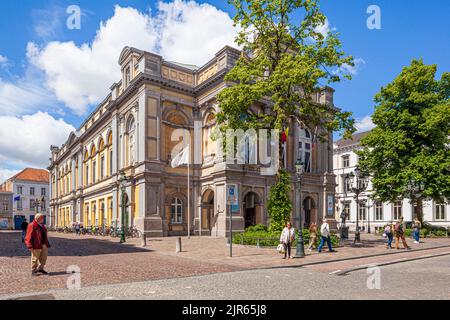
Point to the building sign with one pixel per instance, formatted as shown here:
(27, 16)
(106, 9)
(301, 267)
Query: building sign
(330, 205)
(233, 197)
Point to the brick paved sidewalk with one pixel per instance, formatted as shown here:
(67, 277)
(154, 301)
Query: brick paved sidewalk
(216, 251)
(104, 260)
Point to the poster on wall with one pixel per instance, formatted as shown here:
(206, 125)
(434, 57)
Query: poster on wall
(330, 205)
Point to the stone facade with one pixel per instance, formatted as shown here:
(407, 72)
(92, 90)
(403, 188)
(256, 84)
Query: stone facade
(131, 131)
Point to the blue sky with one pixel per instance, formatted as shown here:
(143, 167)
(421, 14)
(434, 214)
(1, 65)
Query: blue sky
(410, 29)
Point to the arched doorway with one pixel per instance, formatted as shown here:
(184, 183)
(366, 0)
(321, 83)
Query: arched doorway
(207, 218)
(308, 207)
(251, 204)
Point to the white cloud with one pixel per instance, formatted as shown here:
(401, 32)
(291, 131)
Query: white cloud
(192, 33)
(81, 75)
(364, 124)
(324, 28)
(5, 174)
(184, 31)
(348, 69)
(24, 96)
(25, 141)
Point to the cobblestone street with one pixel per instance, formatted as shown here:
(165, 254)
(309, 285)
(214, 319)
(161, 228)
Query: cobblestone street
(104, 261)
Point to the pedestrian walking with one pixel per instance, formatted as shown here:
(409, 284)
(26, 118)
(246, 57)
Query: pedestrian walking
(287, 238)
(416, 230)
(325, 237)
(24, 227)
(389, 232)
(77, 228)
(312, 236)
(399, 232)
(36, 241)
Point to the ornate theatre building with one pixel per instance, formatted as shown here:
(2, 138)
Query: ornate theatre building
(130, 132)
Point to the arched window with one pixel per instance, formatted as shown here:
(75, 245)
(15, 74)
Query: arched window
(305, 148)
(176, 211)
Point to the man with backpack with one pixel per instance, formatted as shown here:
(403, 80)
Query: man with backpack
(399, 231)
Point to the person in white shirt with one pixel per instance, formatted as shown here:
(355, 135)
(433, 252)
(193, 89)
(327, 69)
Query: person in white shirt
(287, 238)
(325, 237)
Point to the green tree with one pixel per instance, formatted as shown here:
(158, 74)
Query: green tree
(283, 63)
(279, 205)
(410, 143)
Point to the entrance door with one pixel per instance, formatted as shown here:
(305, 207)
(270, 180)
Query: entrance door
(250, 217)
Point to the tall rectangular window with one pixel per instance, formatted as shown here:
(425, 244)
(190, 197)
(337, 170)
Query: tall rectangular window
(94, 170)
(87, 175)
(346, 161)
(110, 162)
(439, 211)
(19, 190)
(102, 167)
(397, 210)
(42, 191)
(19, 205)
(379, 210)
(346, 209)
(32, 191)
(362, 210)
(32, 204)
(127, 76)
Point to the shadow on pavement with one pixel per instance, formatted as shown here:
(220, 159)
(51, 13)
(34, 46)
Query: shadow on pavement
(11, 246)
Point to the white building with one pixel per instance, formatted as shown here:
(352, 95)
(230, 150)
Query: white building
(371, 212)
(30, 194)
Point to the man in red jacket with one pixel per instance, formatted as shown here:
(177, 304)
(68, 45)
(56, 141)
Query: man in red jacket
(37, 242)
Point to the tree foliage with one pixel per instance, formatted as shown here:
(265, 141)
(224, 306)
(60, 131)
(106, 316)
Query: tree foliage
(284, 61)
(279, 205)
(411, 138)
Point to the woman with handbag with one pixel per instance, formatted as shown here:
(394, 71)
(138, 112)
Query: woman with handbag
(287, 238)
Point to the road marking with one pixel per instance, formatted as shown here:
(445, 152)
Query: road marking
(382, 264)
(335, 271)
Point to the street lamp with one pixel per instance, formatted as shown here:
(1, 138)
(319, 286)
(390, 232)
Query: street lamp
(122, 180)
(300, 251)
(361, 185)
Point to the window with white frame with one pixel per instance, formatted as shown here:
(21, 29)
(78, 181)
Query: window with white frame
(439, 211)
(19, 190)
(32, 191)
(346, 209)
(345, 161)
(176, 211)
(305, 148)
(362, 210)
(397, 212)
(378, 210)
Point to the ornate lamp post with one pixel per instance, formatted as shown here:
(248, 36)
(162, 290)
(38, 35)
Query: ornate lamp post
(361, 185)
(122, 180)
(300, 251)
